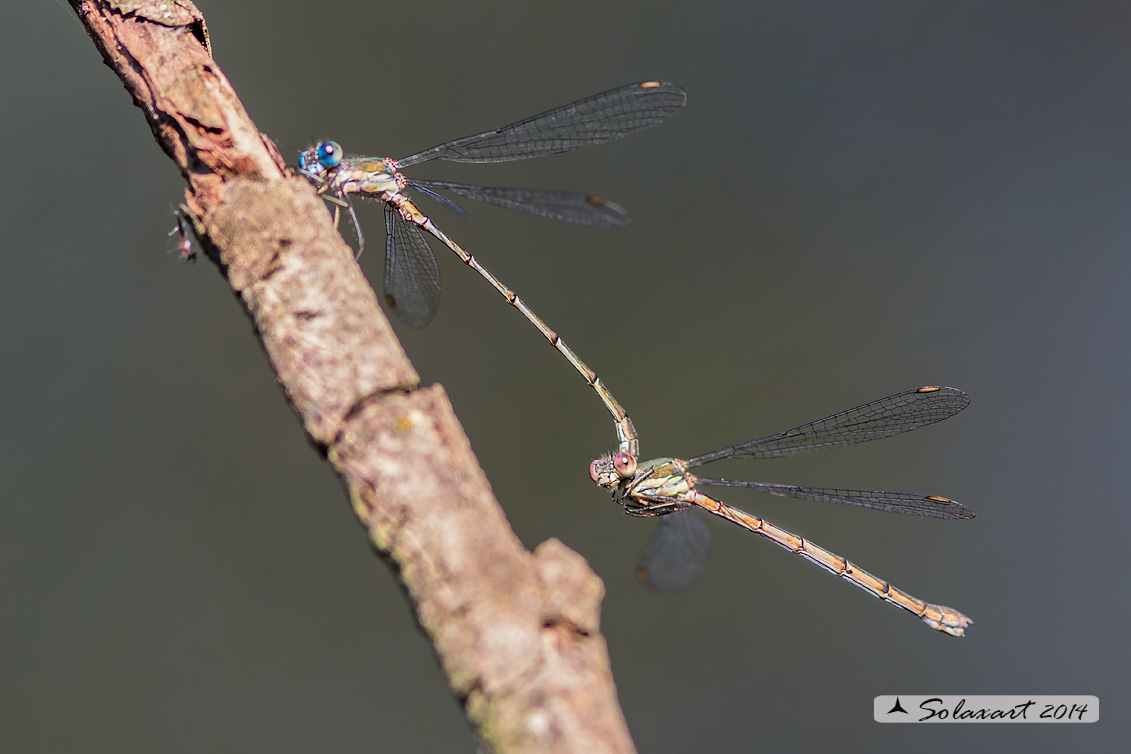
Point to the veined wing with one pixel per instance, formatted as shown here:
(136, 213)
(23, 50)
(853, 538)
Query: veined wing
(586, 123)
(567, 206)
(426, 188)
(885, 417)
(412, 277)
(892, 502)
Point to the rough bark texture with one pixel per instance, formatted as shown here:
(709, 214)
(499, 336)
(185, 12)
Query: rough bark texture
(516, 632)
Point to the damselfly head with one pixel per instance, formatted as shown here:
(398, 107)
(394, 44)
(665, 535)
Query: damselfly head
(324, 156)
(609, 471)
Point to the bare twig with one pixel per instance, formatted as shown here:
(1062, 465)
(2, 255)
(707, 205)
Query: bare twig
(515, 632)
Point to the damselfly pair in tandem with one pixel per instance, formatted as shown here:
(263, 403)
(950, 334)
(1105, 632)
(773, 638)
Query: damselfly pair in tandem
(662, 486)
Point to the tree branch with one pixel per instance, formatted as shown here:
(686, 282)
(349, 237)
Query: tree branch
(516, 632)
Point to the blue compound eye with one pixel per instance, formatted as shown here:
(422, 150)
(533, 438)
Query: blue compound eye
(329, 154)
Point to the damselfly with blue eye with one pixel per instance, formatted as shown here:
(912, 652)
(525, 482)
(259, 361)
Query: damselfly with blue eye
(412, 277)
(678, 548)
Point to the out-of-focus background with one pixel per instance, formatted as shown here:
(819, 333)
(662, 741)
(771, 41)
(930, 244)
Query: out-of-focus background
(859, 199)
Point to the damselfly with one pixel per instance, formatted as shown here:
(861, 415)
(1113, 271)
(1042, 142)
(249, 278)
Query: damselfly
(412, 277)
(678, 547)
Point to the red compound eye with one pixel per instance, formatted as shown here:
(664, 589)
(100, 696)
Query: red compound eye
(625, 464)
(593, 471)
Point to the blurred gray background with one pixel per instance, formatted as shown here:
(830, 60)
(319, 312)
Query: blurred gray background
(859, 199)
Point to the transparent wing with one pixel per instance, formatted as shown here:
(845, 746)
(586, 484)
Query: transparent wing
(676, 552)
(580, 209)
(586, 123)
(427, 188)
(892, 502)
(412, 277)
(888, 416)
